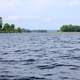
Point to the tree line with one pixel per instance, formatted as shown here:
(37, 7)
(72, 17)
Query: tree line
(70, 28)
(7, 28)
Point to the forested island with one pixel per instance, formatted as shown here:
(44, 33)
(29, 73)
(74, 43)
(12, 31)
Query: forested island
(7, 28)
(11, 28)
(70, 28)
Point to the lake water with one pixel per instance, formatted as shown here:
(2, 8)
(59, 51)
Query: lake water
(40, 56)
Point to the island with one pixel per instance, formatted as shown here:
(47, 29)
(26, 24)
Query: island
(10, 28)
(70, 28)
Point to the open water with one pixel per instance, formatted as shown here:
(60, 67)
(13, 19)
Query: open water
(40, 56)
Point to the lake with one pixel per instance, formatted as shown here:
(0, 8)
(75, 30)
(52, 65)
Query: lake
(40, 56)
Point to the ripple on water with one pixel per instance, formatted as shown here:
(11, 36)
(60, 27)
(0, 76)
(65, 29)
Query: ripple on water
(24, 62)
(18, 51)
(52, 66)
(32, 78)
(28, 61)
(36, 50)
(5, 53)
(6, 77)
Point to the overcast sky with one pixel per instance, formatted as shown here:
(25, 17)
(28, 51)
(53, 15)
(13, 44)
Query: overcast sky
(40, 14)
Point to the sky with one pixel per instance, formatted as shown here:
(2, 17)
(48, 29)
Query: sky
(40, 14)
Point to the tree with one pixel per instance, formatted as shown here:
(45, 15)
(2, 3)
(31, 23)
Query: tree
(0, 27)
(70, 28)
(12, 27)
(6, 28)
(0, 24)
(64, 28)
(19, 30)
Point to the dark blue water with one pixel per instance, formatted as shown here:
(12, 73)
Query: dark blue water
(40, 56)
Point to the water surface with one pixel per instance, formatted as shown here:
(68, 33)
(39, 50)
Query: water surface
(40, 56)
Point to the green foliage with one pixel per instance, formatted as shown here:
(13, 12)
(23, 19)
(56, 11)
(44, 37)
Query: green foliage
(7, 28)
(0, 24)
(12, 26)
(70, 28)
(19, 30)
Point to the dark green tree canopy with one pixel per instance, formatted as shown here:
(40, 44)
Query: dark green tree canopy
(19, 30)
(10, 28)
(6, 27)
(70, 28)
(0, 23)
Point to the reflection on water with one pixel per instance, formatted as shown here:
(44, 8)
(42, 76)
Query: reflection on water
(40, 56)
